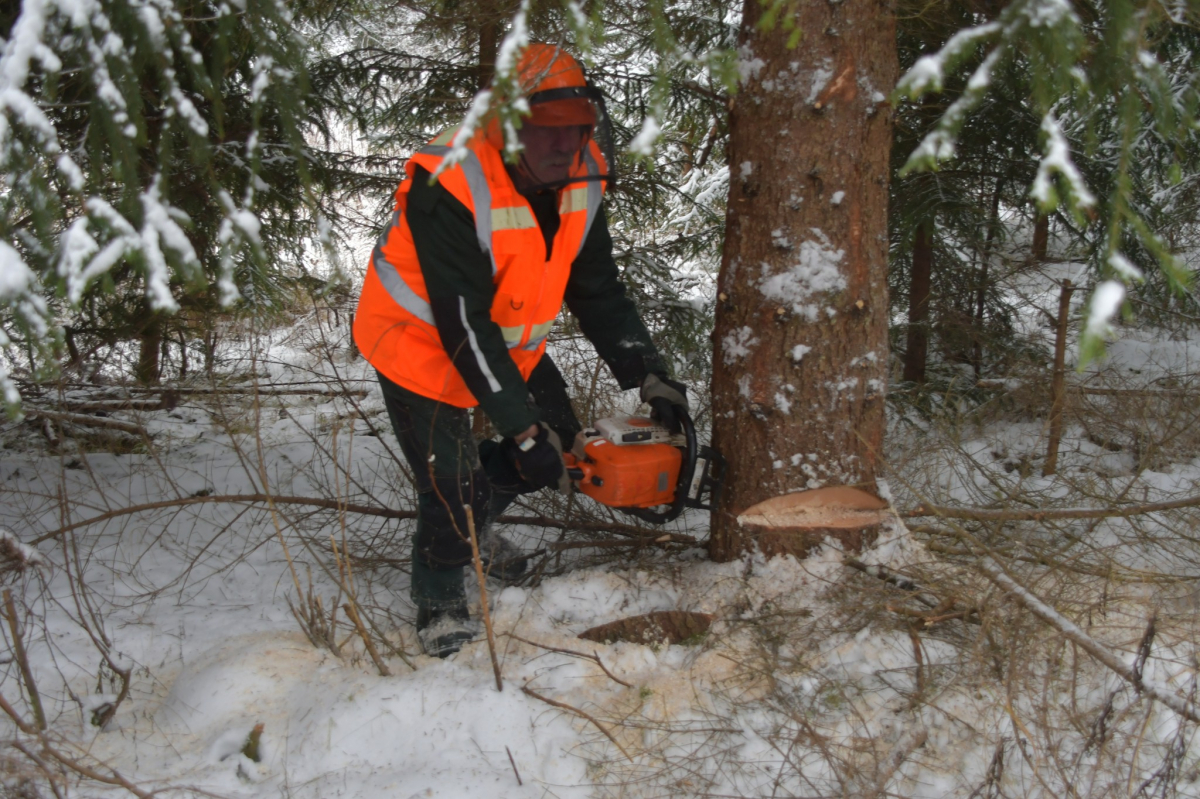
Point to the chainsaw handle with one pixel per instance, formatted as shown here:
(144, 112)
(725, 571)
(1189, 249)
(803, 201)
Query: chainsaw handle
(577, 468)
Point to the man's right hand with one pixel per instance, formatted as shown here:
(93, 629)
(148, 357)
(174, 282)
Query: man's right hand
(537, 454)
(666, 398)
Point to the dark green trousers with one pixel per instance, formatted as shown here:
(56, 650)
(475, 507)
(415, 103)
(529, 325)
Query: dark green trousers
(452, 471)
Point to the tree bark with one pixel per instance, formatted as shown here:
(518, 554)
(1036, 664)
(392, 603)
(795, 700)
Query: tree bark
(489, 43)
(150, 339)
(917, 351)
(1041, 238)
(800, 356)
(1058, 393)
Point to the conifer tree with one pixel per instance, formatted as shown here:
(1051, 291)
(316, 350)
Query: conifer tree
(1110, 83)
(153, 157)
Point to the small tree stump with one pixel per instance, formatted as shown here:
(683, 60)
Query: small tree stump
(672, 626)
(796, 523)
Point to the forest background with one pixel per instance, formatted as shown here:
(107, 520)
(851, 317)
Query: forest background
(185, 183)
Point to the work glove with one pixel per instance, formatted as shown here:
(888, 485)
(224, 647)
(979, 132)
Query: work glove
(665, 396)
(539, 460)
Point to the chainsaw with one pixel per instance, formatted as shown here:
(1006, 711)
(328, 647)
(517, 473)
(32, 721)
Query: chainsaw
(638, 466)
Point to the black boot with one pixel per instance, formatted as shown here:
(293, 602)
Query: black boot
(444, 624)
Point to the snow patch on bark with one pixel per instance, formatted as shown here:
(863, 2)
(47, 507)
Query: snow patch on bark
(737, 344)
(820, 79)
(748, 67)
(816, 272)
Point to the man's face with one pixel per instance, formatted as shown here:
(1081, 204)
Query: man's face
(550, 150)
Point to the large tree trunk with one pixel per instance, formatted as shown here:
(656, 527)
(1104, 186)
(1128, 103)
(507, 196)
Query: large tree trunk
(800, 357)
(917, 352)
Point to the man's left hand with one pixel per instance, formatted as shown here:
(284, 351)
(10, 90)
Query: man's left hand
(665, 396)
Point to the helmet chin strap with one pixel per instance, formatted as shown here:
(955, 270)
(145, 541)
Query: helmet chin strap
(525, 170)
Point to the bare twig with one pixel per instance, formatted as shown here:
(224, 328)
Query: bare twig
(483, 597)
(919, 659)
(309, 613)
(22, 725)
(593, 656)
(921, 594)
(908, 743)
(581, 714)
(352, 614)
(513, 763)
(112, 778)
(35, 700)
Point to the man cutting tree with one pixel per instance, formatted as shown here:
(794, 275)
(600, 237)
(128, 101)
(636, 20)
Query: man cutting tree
(460, 295)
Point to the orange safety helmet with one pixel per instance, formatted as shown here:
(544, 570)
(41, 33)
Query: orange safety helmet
(559, 93)
(557, 89)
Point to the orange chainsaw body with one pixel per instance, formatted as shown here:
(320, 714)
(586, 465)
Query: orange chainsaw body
(640, 476)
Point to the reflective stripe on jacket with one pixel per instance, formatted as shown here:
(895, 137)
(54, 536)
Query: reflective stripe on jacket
(394, 325)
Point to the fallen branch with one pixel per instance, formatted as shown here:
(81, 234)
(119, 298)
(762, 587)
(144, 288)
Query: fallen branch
(629, 530)
(578, 712)
(299, 388)
(179, 502)
(1033, 515)
(277, 392)
(167, 401)
(1106, 570)
(1131, 673)
(1009, 384)
(84, 420)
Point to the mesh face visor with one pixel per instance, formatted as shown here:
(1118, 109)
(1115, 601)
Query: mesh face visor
(577, 105)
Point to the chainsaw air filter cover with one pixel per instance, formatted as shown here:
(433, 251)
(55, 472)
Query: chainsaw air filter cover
(640, 476)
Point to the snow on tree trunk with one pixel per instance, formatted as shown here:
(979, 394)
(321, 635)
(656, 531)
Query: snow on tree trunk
(800, 356)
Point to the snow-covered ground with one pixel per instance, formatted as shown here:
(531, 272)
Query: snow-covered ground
(814, 680)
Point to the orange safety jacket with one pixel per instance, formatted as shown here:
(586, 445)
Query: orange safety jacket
(394, 326)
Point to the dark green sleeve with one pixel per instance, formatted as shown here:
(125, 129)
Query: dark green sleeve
(609, 319)
(458, 276)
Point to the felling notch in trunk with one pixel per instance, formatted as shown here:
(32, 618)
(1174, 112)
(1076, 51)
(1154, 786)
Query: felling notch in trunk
(796, 523)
